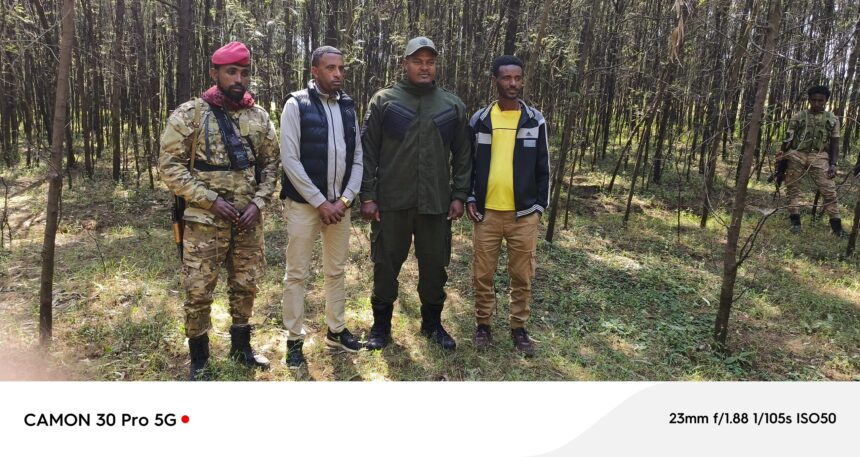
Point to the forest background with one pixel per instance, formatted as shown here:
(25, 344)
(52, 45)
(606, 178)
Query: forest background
(665, 256)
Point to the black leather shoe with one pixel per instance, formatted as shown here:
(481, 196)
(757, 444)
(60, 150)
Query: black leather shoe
(295, 358)
(343, 340)
(240, 348)
(438, 335)
(199, 349)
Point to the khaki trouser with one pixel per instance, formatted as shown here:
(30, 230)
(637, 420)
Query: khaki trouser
(303, 225)
(521, 238)
(206, 248)
(815, 165)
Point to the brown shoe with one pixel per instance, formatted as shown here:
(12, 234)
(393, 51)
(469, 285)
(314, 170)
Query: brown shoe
(522, 342)
(483, 337)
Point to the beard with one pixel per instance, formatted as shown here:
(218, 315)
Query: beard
(235, 96)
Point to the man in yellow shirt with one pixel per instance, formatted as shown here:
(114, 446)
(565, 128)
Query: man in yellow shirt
(510, 190)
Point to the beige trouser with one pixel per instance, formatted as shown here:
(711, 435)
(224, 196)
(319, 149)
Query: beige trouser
(521, 238)
(303, 225)
(815, 165)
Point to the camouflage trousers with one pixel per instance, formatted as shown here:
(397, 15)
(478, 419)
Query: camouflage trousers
(814, 165)
(207, 247)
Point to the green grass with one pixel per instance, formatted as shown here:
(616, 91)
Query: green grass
(609, 303)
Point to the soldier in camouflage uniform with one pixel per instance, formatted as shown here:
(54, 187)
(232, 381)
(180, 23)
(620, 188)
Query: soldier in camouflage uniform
(811, 147)
(224, 198)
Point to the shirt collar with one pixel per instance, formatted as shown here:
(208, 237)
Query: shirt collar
(312, 84)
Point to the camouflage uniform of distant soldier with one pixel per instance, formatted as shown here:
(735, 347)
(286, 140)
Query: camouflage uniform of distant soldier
(811, 147)
(223, 220)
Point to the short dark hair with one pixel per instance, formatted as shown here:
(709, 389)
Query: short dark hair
(321, 51)
(823, 90)
(505, 60)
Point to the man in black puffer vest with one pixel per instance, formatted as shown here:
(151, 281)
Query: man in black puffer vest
(322, 164)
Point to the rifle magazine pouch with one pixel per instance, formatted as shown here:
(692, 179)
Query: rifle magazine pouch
(446, 121)
(397, 120)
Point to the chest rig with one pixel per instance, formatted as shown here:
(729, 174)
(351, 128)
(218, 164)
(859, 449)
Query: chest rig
(813, 131)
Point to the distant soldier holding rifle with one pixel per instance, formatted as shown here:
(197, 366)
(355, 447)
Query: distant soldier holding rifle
(811, 146)
(219, 153)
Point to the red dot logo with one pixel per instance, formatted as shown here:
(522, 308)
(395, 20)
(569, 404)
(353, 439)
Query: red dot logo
(184, 419)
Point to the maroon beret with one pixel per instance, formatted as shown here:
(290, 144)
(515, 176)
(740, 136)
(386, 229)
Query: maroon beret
(232, 53)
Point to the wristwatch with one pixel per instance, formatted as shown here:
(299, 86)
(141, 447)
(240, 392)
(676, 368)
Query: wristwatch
(346, 201)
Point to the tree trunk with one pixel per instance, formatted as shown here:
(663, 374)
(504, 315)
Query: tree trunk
(611, 79)
(657, 170)
(730, 257)
(183, 55)
(727, 116)
(846, 85)
(331, 23)
(116, 91)
(649, 118)
(55, 176)
(513, 13)
(855, 228)
(535, 51)
(563, 152)
(575, 107)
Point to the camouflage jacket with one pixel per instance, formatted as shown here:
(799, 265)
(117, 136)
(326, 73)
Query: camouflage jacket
(201, 188)
(809, 132)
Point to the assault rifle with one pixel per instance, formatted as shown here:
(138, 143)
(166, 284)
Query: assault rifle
(778, 175)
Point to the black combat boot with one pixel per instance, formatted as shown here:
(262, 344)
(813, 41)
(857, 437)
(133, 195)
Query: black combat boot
(240, 348)
(795, 223)
(199, 349)
(295, 358)
(380, 332)
(431, 327)
(836, 226)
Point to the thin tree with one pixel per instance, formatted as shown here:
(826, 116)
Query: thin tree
(573, 109)
(116, 122)
(55, 175)
(512, 12)
(535, 51)
(731, 263)
(183, 54)
(855, 227)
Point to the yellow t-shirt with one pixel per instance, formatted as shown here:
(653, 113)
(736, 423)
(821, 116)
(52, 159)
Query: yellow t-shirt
(500, 184)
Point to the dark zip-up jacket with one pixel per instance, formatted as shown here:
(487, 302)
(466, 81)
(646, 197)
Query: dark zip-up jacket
(531, 160)
(416, 149)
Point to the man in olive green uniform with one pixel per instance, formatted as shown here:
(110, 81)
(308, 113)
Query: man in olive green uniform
(417, 171)
(811, 147)
(220, 154)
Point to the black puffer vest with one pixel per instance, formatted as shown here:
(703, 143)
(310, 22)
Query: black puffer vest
(313, 146)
